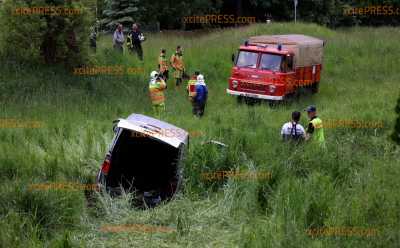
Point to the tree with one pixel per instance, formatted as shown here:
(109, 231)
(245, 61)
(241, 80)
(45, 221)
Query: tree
(124, 12)
(53, 37)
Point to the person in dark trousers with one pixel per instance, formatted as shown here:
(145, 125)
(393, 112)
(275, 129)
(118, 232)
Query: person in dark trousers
(178, 65)
(134, 40)
(163, 65)
(200, 97)
(293, 130)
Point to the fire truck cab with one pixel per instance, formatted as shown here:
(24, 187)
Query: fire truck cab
(272, 67)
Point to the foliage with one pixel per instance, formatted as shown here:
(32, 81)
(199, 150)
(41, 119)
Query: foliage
(57, 38)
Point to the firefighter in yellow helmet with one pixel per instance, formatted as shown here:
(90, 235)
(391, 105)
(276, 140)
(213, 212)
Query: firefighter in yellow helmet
(315, 131)
(156, 87)
(191, 86)
(163, 65)
(178, 65)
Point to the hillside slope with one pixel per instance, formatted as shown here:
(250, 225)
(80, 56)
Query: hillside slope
(352, 184)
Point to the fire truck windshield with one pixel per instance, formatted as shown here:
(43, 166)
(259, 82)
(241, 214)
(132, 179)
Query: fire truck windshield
(247, 59)
(271, 62)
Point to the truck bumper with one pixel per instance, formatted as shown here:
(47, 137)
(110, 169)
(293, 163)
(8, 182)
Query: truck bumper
(252, 95)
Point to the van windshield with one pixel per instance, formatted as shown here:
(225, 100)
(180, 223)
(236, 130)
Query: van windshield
(247, 59)
(271, 62)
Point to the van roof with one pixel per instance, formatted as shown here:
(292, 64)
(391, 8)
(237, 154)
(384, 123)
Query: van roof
(158, 129)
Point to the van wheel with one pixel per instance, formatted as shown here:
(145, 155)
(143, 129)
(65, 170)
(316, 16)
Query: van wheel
(314, 88)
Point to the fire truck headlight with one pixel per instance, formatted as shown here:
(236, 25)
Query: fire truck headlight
(272, 88)
(235, 83)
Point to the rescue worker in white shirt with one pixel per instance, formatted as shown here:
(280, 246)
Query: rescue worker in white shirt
(293, 130)
(118, 39)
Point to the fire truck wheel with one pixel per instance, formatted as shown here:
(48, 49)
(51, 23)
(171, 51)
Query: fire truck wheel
(273, 104)
(239, 99)
(251, 101)
(315, 88)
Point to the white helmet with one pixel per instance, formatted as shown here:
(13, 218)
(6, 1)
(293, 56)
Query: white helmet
(153, 74)
(200, 80)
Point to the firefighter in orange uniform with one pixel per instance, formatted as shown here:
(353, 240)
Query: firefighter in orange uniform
(178, 65)
(163, 65)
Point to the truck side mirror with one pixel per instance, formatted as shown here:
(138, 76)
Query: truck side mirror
(233, 58)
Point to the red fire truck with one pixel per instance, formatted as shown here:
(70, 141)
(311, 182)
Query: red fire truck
(272, 67)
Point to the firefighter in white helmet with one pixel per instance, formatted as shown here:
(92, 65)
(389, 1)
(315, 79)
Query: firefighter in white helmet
(156, 87)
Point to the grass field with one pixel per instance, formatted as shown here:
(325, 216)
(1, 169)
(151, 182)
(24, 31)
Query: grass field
(354, 183)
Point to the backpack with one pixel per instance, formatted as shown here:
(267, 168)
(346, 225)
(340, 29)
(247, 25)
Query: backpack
(293, 133)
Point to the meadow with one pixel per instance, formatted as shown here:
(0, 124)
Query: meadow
(353, 183)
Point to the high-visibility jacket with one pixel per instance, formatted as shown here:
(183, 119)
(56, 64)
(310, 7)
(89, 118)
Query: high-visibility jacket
(129, 41)
(191, 86)
(156, 88)
(133, 39)
(318, 134)
(162, 63)
(177, 62)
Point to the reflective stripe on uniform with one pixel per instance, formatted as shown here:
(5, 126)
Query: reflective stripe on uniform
(156, 92)
(192, 82)
(162, 61)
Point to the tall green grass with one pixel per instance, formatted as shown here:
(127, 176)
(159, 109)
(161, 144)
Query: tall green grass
(353, 183)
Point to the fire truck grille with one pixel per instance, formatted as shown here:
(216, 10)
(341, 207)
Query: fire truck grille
(252, 86)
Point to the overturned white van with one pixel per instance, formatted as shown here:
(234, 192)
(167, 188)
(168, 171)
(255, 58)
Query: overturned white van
(144, 157)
